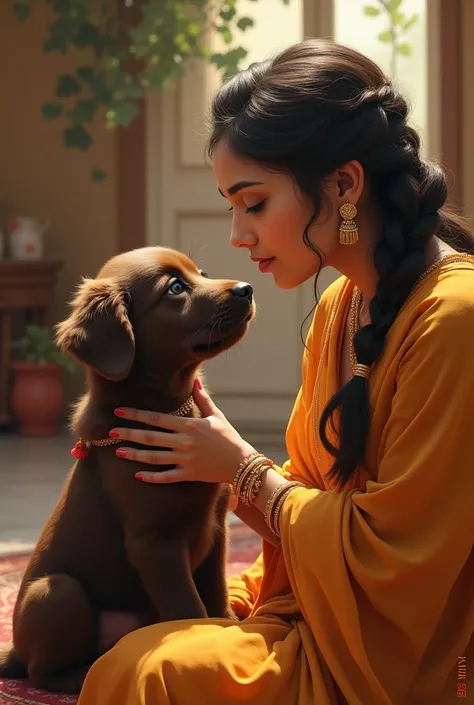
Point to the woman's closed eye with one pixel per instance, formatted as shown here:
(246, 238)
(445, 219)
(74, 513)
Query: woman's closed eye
(253, 209)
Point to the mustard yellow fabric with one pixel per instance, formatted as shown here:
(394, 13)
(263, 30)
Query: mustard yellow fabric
(369, 600)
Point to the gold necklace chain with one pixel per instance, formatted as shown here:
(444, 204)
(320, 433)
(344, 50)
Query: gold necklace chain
(356, 299)
(354, 324)
(81, 448)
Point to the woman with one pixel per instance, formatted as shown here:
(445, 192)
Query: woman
(364, 591)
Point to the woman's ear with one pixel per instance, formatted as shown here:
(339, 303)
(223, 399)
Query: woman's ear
(98, 332)
(350, 180)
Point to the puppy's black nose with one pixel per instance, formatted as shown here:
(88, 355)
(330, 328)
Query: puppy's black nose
(243, 290)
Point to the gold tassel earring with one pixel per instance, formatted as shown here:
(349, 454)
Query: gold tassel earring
(348, 231)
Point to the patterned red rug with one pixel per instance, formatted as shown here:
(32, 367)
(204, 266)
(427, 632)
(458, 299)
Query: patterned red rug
(245, 547)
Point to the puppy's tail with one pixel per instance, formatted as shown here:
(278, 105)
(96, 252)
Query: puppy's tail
(10, 664)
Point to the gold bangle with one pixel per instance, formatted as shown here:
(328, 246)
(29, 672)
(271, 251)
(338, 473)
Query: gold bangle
(254, 484)
(242, 467)
(275, 517)
(270, 501)
(246, 473)
(276, 499)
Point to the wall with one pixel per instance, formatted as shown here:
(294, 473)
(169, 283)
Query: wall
(467, 119)
(38, 175)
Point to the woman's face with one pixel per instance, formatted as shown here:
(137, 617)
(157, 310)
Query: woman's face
(269, 216)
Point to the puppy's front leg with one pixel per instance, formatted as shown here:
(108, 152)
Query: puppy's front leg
(164, 569)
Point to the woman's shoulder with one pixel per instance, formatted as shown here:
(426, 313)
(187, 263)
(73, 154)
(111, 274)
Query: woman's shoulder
(447, 290)
(443, 304)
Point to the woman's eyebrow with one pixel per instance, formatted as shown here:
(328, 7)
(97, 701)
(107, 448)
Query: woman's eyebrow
(235, 188)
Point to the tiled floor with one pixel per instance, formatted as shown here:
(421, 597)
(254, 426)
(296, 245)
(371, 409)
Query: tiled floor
(32, 472)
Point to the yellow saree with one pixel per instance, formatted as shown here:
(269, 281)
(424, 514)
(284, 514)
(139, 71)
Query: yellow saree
(369, 599)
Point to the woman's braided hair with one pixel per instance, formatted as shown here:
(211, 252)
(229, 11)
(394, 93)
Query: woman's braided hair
(307, 112)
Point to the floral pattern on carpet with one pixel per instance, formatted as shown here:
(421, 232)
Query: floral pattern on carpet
(245, 547)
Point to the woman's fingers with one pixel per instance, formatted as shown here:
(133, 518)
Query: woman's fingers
(162, 478)
(153, 418)
(156, 439)
(152, 457)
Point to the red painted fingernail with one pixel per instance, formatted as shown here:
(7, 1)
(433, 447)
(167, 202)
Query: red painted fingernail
(121, 453)
(119, 412)
(198, 383)
(138, 476)
(114, 434)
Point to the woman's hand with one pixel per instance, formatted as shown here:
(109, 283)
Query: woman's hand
(208, 449)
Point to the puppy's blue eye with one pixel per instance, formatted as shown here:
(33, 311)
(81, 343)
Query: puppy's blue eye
(176, 288)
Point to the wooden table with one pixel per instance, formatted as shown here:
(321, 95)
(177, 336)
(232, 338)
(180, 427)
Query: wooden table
(26, 285)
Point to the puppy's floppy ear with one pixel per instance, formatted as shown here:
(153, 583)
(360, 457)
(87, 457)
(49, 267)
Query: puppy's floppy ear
(98, 332)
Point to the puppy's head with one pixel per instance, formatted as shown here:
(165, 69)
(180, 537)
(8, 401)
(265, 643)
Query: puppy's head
(153, 309)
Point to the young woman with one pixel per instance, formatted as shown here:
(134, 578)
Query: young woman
(364, 593)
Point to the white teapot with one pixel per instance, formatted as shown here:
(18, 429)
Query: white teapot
(26, 237)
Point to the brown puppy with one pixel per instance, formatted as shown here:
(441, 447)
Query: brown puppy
(142, 327)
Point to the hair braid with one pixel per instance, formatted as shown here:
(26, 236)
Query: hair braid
(409, 193)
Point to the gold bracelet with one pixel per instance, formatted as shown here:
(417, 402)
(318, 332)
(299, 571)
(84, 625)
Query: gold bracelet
(275, 517)
(269, 504)
(246, 473)
(278, 494)
(242, 468)
(255, 483)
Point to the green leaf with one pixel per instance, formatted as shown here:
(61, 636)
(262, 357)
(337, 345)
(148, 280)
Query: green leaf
(398, 18)
(244, 23)
(21, 10)
(84, 111)
(61, 5)
(51, 110)
(98, 175)
(67, 86)
(88, 35)
(228, 15)
(102, 92)
(371, 11)
(132, 92)
(404, 49)
(229, 63)
(411, 21)
(226, 33)
(182, 43)
(394, 5)
(193, 29)
(85, 72)
(63, 29)
(386, 36)
(76, 136)
(123, 114)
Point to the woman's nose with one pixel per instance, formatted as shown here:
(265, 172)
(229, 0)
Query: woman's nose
(239, 239)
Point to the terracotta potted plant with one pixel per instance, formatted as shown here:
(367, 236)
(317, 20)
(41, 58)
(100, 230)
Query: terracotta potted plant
(37, 396)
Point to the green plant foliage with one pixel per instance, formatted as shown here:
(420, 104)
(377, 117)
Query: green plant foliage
(37, 345)
(119, 58)
(399, 24)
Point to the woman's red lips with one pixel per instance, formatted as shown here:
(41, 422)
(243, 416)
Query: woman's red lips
(263, 263)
